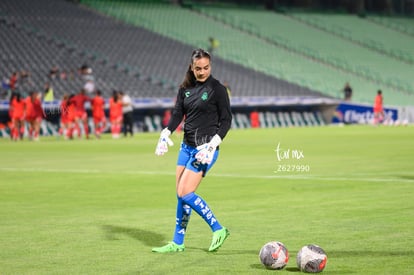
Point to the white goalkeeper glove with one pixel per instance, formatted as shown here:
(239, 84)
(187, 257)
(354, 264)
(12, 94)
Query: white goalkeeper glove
(163, 142)
(206, 151)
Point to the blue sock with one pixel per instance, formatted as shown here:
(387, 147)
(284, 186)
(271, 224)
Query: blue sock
(202, 209)
(181, 221)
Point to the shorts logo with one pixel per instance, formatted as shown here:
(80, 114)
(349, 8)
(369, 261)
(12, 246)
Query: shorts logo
(196, 164)
(204, 96)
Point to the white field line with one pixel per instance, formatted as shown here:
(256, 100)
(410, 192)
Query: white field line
(252, 176)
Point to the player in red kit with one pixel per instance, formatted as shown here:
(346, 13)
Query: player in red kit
(378, 108)
(10, 123)
(81, 116)
(71, 118)
(115, 114)
(254, 119)
(64, 121)
(17, 112)
(98, 113)
(34, 114)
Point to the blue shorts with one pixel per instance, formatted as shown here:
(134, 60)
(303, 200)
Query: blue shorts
(186, 158)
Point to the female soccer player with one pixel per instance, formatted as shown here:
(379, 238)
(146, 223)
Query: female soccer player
(98, 113)
(81, 116)
(115, 114)
(17, 112)
(64, 120)
(378, 108)
(71, 111)
(34, 114)
(204, 103)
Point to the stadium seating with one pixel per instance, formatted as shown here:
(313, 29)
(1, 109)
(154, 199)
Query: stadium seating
(365, 32)
(235, 46)
(36, 50)
(369, 56)
(143, 48)
(320, 54)
(400, 24)
(126, 57)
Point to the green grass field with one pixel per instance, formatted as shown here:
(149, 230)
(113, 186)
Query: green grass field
(99, 206)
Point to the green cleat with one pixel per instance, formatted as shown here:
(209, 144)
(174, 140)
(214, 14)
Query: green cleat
(170, 247)
(218, 239)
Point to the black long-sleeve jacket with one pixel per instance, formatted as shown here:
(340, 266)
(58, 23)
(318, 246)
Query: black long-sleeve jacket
(206, 109)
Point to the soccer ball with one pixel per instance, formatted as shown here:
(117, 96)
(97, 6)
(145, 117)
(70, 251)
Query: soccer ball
(311, 258)
(274, 255)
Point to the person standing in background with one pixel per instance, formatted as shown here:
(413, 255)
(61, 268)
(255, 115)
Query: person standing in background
(17, 113)
(13, 81)
(73, 126)
(49, 95)
(81, 116)
(254, 119)
(115, 114)
(34, 114)
(347, 92)
(64, 116)
(214, 44)
(98, 113)
(127, 113)
(378, 108)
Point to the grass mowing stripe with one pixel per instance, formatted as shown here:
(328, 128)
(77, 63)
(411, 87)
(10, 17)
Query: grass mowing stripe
(292, 177)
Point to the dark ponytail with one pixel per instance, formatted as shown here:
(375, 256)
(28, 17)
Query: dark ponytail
(189, 79)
